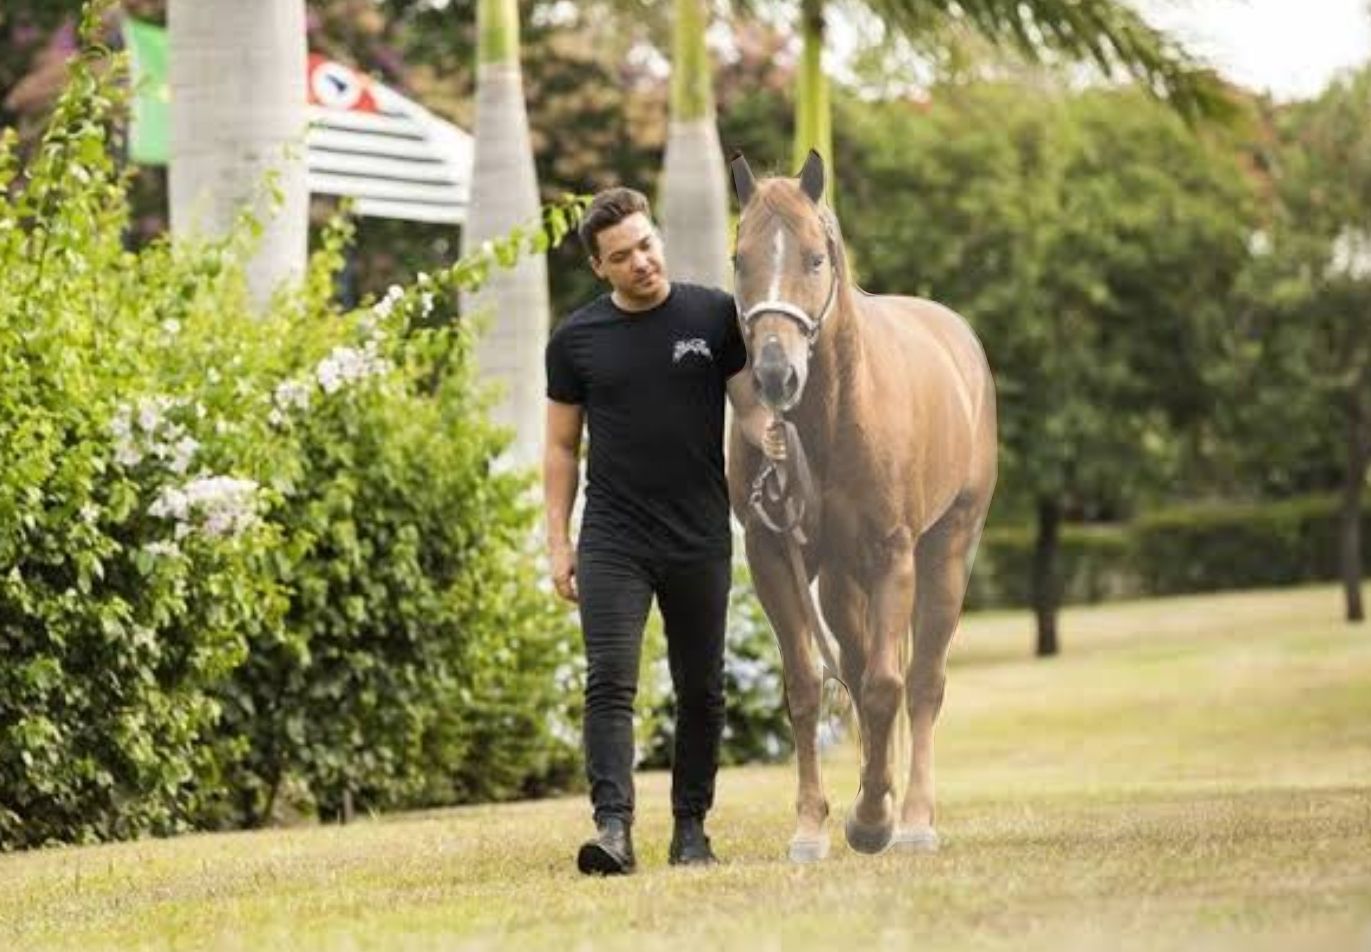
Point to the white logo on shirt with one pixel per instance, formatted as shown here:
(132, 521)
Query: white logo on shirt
(696, 345)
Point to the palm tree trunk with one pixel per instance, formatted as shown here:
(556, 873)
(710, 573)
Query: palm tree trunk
(813, 114)
(1046, 596)
(504, 193)
(694, 187)
(237, 81)
(1354, 478)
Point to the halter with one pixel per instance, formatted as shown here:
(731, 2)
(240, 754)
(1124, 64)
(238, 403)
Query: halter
(799, 315)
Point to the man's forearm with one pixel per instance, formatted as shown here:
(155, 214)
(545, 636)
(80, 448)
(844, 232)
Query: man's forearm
(560, 477)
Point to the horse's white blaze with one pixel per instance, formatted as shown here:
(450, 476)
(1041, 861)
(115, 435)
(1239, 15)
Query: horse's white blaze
(778, 248)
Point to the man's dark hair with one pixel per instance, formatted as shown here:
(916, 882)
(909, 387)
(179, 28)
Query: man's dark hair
(607, 209)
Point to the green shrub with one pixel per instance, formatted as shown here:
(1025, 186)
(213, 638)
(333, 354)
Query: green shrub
(113, 622)
(1201, 548)
(1093, 565)
(248, 556)
(1189, 548)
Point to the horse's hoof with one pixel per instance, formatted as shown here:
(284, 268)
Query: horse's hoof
(919, 839)
(868, 839)
(808, 849)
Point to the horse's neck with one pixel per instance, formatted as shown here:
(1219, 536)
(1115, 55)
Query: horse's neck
(835, 383)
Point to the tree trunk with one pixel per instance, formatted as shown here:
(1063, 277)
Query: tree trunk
(1354, 478)
(504, 193)
(1045, 588)
(237, 84)
(813, 120)
(694, 205)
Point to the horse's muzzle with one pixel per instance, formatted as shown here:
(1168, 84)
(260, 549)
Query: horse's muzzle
(777, 382)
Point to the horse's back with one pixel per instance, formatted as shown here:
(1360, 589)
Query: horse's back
(931, 336)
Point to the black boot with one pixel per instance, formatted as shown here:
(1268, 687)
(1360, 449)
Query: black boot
(610, 853)
(689, 845)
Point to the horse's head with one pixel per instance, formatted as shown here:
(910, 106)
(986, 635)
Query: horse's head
(787, 275)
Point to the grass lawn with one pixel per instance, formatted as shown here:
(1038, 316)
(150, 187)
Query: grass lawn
(1191, 773)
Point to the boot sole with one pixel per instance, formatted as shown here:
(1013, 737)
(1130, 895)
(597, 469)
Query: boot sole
(594, 860)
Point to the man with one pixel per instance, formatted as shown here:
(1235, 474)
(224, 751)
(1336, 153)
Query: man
(646, 367)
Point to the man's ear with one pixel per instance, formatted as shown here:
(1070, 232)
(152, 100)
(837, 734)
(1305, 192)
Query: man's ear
(595, 266)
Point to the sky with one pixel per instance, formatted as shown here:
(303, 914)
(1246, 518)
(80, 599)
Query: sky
(1290, 48)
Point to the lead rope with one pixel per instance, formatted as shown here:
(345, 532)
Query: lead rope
(774, 485)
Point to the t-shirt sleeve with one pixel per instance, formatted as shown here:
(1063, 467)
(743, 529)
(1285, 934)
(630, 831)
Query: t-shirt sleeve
(564, 384)
(733, 354)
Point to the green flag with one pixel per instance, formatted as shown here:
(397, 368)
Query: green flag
(150, 122)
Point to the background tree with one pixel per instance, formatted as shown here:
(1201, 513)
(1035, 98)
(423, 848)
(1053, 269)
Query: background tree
(504, 195)
(237, 83)
(1108, 33)
(694, 191)
(1311, 293)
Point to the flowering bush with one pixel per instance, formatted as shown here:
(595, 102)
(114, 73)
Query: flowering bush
(243, 553)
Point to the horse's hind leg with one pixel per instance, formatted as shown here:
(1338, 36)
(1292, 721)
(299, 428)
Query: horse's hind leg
(776, 589)
(944, 556)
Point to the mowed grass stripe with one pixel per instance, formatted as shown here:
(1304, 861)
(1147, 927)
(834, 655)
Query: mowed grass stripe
(1191, 773)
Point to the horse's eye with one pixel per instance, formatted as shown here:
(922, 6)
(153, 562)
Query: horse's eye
(816, 261)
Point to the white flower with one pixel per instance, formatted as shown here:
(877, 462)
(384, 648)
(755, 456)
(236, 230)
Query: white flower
(383, 307)
(276, 417)
(291, 394)
(127, 455)
(229, 505)
(171, 327)
(426, 303)
(184, 453)
(121, 426)
(171, 503)
(150, 412)
(346, 365)
(162, 549)
(223, 505)
(90, 513)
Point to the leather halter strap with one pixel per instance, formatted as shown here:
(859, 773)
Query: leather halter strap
(810, 325)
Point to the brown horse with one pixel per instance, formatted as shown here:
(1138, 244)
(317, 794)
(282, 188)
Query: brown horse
(894, 407)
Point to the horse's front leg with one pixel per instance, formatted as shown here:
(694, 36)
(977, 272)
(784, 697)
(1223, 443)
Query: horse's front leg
(871, 823)
(779, 593)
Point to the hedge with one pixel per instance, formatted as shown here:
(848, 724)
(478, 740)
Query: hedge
(1190, 548)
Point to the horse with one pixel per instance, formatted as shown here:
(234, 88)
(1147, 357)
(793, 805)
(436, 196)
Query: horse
(892, 405)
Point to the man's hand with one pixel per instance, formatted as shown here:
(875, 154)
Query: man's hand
(563, 558)
(773, 443)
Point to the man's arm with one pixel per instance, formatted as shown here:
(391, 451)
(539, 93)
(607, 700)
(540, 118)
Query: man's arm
(753, 418)
(561, 473)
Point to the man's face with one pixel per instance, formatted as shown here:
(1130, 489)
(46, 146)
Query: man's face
(630, 259)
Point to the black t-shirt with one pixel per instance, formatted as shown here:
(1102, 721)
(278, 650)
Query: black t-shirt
(652, 384)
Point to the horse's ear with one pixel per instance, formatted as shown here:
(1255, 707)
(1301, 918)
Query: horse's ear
(812, 176)
(743, 182)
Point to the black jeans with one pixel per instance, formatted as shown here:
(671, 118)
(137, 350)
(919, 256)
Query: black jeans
(615, 594)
